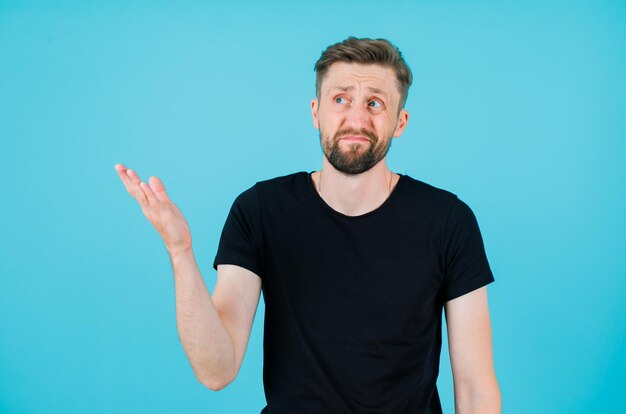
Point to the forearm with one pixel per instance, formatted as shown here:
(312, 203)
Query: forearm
(485, 399)
(207, 343)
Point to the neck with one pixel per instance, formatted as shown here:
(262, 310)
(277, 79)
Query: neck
(354, 195)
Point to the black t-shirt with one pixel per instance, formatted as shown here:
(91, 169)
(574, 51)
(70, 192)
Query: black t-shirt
(353, 304)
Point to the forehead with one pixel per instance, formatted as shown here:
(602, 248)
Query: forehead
(356, 75)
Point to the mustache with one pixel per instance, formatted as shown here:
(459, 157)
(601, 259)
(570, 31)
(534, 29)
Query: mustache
(352, 131)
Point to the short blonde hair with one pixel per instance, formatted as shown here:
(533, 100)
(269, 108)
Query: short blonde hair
(365, 51)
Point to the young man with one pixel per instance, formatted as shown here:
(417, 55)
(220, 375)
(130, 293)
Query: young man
(356, 264)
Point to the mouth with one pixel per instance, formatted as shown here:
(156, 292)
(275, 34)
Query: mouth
(354, 138)
(356, 135)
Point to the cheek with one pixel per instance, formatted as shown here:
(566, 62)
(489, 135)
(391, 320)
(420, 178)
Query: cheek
(328, 122)
(384, 122)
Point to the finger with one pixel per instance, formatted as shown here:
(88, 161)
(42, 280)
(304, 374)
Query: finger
(122, 173)
(147, 191)
(133, 176)
(135, 189)
(158, 188)
(130, 187)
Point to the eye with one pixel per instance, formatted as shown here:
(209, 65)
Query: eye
(340, 100)
(375, 104)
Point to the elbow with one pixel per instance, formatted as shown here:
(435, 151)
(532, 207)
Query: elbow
(214, 383)
(483, 398)
(215, 374)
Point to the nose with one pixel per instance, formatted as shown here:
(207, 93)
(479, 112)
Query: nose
(358, 117)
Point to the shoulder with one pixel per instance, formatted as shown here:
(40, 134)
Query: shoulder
(283, 187)
(437, 203)
(277, 187)
(428, 196)
(283, 182)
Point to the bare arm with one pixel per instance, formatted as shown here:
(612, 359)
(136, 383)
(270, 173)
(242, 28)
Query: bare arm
(469, 337)
(214, 331)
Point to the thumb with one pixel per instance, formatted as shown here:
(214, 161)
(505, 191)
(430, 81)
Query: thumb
(158, 188)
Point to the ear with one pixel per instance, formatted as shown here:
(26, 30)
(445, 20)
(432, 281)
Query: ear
(314, 108)
(403, 119)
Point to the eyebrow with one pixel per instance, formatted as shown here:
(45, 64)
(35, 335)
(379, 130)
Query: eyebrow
(349, 88)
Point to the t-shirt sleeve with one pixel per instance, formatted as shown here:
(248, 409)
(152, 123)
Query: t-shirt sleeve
(240, 240)
(466, 267)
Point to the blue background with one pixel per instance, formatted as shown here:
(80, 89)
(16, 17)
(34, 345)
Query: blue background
(517, 107)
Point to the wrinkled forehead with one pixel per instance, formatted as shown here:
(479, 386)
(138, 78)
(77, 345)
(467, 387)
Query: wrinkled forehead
(359, 77)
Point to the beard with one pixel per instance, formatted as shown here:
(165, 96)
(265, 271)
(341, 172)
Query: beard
(355, 160)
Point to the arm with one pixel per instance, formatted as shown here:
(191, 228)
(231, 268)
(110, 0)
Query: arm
(469, 340)
(214, 330)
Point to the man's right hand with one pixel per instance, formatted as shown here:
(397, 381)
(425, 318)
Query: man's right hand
(213, 329)
(158, 209)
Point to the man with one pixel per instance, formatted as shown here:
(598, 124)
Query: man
(356, 264)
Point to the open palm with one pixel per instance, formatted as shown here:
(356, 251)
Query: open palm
(158, 209)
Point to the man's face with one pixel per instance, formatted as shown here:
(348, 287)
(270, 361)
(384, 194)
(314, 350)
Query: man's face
(357, 115)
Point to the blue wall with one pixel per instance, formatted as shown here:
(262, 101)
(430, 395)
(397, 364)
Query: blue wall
(519, 108)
